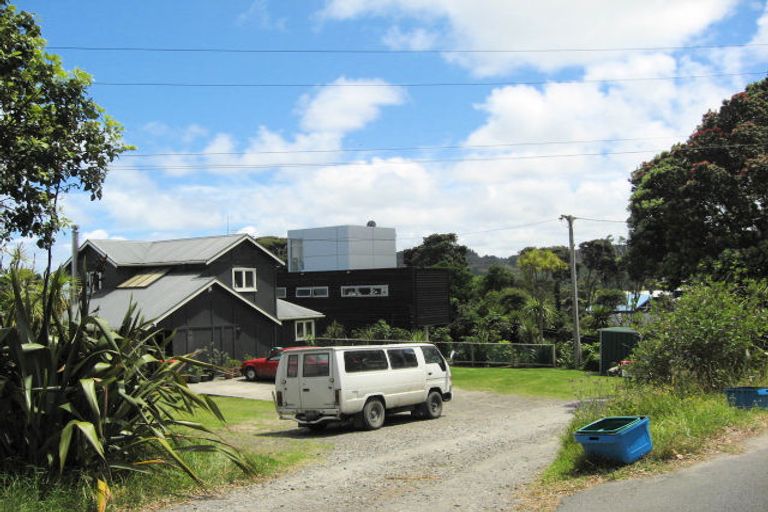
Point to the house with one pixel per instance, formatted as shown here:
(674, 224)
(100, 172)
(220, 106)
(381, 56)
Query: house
(214, 291)
(350, 274)
(406, 297)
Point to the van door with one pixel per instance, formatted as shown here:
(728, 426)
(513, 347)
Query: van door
(437, 369)
(316, 382)
(291, 383)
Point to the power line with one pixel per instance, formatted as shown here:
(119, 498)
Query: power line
(601, 220)
(421, 160)
(419, 84)
(148, 49)
(394, 148)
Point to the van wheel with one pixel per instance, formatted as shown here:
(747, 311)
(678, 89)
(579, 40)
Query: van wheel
(250, 373)
(373, 414)
(433, 407)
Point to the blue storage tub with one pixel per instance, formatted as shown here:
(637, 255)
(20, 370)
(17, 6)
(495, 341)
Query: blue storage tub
(618, 438)
(747, 397)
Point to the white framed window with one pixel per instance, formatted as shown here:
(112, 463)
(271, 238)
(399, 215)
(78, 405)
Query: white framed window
(368, 290)
(93, 281)
(305, 330)
(281, 292)
(244, 279)
(318, 292)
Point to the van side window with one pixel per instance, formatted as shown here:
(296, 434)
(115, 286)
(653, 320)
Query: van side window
(316, 365)
(432, 355)
(402, 358)
(293, 365)
(364, 361)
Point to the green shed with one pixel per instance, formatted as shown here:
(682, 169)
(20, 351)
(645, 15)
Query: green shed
(616, 343)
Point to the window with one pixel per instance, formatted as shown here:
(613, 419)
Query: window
(244, 279)
(402, 358)
(281, 292)
(364, 361)
(316, 365)
(432, 355)
(312, 291)
(93, 281)
(373, 290)
(293, 365)
(305, 330)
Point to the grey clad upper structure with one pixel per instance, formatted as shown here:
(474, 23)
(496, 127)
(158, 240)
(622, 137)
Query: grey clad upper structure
(213, 292)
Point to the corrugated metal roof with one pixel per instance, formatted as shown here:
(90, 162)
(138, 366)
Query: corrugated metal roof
(154, 301)
(160, 299)
(290, 311)
(168, 252)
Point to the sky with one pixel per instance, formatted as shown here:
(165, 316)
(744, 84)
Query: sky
(489, 119)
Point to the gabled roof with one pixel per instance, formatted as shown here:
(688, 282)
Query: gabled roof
(201, 250)
(290, 311)
(161, 298)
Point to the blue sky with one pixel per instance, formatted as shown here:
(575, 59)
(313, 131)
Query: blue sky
(484, 161)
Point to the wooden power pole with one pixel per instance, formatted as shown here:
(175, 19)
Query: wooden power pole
(575, 305)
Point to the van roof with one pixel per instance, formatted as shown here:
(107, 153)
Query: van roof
(362, 347)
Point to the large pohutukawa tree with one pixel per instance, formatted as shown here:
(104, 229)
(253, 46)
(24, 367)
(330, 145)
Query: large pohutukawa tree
(702, 206)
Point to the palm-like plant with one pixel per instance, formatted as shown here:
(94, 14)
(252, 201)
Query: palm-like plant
(76, 393)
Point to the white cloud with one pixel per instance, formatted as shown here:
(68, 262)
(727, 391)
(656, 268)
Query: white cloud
(258, 13)
(506, 24)
(347, 105)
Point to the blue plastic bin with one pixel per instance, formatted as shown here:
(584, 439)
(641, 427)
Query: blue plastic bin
(618, 438)
(747, 397)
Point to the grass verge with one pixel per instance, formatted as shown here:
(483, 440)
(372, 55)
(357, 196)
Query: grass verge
(545, 382)
(684, 429)
(247, 422)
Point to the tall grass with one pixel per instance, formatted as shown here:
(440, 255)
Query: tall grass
(682, 424)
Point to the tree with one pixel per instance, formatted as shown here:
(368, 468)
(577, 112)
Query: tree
(444, 251)
(599, 259)
(53, 137)
(702, 206)
(497, 278)
(437, 249)
(538, 265)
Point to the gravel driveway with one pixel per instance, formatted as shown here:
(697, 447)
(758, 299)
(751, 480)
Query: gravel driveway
(472, 458)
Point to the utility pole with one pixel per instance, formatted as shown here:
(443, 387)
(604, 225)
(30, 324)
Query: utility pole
(575, 305)
(73, 284)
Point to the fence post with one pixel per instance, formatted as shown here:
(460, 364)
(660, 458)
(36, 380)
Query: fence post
(554, 357)
(472, 354)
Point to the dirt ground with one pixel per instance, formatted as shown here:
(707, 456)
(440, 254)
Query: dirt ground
(470, 459)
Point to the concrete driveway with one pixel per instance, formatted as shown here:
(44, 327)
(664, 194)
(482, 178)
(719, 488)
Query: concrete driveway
(239, 388)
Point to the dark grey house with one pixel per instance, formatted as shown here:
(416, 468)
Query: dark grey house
(410, 298)
(212, 291)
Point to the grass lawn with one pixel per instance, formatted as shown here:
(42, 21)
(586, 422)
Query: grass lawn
(547, 382)
(247, 421)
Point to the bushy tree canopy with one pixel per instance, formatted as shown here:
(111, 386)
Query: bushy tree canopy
(53, 136)
(703, 204)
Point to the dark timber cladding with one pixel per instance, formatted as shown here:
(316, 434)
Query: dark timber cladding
(414, 298)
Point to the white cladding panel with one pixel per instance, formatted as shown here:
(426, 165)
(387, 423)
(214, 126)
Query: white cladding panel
(341, 248)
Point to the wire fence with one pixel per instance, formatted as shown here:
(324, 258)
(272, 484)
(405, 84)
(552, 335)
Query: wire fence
(462, 353)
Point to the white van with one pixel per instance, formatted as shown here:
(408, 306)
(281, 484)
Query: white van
(362, 383)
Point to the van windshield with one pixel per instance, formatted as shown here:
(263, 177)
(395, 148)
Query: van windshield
(364, 361)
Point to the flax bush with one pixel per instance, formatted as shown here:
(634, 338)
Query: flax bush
(77, 394)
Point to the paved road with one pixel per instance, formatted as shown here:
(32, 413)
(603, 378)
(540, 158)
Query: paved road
(240, 388)
(733, 483)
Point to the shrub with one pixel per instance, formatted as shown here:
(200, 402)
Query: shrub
(78, 394)
(713, 338)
